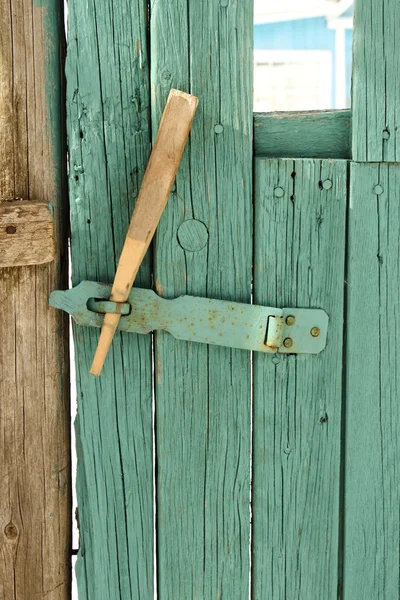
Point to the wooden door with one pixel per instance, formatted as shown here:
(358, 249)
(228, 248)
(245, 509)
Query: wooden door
(204, 472)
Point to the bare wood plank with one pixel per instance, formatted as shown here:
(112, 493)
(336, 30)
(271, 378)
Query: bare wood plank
(26, 234)
(108, 106)
(157, 182)
(372, 493)
(203, 246)
(300, 217)
(317, 134)
(376, 81)
(35, 503)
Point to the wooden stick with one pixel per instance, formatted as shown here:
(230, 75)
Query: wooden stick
(153, 196)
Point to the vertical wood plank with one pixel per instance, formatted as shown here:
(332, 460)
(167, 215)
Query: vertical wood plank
(376, 81)
(371, 532)
(203, 394)
(372, 525)
(109, 144)
(299, 262)
(35, 499)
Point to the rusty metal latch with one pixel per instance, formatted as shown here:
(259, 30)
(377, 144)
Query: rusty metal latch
(194, 319)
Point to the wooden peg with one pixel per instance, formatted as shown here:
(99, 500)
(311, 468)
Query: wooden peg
(158, 179)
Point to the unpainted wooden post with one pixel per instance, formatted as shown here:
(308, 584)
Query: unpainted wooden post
(35, 498)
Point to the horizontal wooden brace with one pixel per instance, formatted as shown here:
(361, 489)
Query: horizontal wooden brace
(26, 233)
(316, 134)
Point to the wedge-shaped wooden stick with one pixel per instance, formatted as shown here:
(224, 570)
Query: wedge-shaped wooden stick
(153, 196)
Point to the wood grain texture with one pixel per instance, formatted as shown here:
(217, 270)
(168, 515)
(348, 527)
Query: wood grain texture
(299, 261)
(35, 499)
(26, 234)
(109, 144)
(203, 393)
(317, 134)
(376, 81)
(156, 187)
(371, 567)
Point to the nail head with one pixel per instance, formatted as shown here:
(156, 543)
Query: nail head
(218, 129)
(279, 192)
(288, 342)
(327, 184)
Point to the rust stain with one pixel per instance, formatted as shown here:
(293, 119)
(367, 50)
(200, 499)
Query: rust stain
(159, 288)
(158, 370)
(272, 346)
(212, 317)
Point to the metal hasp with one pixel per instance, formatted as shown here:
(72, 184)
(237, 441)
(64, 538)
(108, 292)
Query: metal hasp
(218, 322)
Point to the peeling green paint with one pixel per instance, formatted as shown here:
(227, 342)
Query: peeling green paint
(108, 122)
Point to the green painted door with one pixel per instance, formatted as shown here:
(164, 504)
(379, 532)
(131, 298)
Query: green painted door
(205, 472)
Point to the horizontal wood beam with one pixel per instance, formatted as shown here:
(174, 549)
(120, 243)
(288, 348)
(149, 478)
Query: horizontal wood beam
(26, 233)
(315, 134)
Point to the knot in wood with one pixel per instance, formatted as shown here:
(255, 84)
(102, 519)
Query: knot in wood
(192, 235)
(11, 531)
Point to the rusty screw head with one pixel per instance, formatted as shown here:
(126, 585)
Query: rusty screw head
(315, 332)
(290, 320)
(11, 229)
(288, 342)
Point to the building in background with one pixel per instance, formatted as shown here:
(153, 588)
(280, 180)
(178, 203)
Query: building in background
(302, 55)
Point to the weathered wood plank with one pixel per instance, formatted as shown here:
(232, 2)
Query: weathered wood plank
(35, 498)
(109, 143)
(26, 233)
(317, 134)
(299, 261)
(376, 81)
(372, 525)
(203, 247)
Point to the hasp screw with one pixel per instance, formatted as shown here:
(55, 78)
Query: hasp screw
(288, 342)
